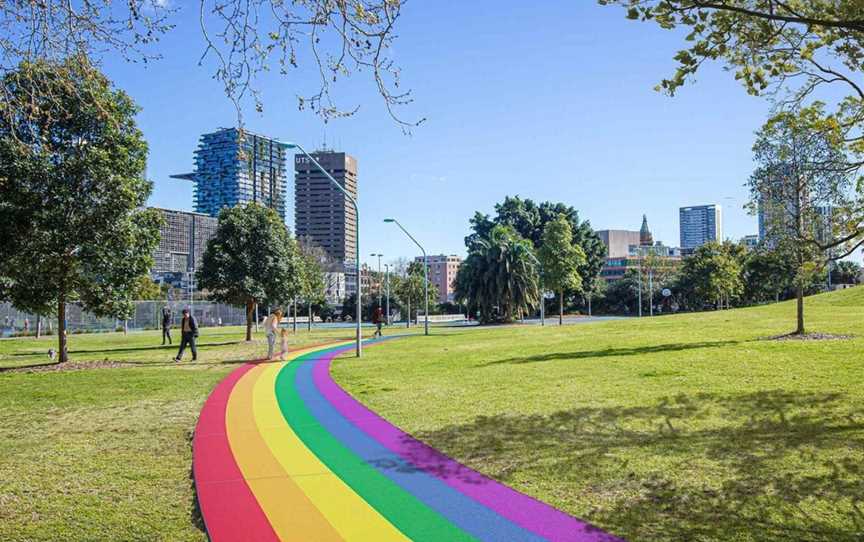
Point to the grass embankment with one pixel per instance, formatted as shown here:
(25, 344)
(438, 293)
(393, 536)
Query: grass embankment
(105, 453)
(689, 427)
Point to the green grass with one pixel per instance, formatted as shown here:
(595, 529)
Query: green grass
(105, 453)
(687, 427)
(683, 427)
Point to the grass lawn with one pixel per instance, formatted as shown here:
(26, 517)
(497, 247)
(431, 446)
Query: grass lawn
(674, 428)
(105, 453)
(685, 427)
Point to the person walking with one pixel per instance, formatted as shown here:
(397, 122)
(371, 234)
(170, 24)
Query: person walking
(271, 328)
(378, 320)
(188, 334)
(166, 324)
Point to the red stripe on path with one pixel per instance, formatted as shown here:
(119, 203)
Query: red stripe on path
(228, 506)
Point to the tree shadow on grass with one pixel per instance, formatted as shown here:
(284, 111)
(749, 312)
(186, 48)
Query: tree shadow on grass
(610, 352)
(766, 466)
(195, 516)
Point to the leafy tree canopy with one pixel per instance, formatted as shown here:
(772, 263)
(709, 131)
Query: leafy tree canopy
(72, 192)
(499, 277)
(529, 219)
(251, 259)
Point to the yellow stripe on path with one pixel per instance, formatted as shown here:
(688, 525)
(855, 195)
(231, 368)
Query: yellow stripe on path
(291, 514)
(347, 512)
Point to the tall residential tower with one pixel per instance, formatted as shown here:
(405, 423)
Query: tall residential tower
(700, 224)
(236, 166)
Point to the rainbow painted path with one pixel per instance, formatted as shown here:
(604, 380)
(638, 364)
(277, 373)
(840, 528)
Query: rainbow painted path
(281, 452)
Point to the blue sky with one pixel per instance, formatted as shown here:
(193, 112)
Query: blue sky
(552, 103)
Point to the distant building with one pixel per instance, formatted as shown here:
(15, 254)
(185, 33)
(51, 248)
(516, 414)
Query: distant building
(750, 242)
(618, 242)
(700, 224)
(183, 239)
(334, 287)
(646, 239)
(234, 167)
(322, 213)
(627, 249)
(442, 273)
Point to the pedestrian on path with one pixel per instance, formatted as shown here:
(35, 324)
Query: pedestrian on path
(378, 320)
(166, 324)
(188, 334)
(271, 327)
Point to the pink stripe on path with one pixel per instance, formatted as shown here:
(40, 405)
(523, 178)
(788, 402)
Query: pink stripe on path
(519, 508)
(229, 508)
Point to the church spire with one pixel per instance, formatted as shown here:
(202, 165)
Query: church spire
(645, 237)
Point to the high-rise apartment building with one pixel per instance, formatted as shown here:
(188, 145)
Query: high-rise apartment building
(235, 166)
(442, 273)
(322, 213)
(700, 224)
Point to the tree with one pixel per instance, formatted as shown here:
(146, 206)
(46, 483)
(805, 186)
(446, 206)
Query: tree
(805, 194)
(712, 274)
(147, 289)
(251, 259)
(312, 285)
(409, 288)
(72, 192)
(560, 260)
(767, 275)
(243, 39)
(846, 272)
(529, 219)
(788, 49)
(499, 277)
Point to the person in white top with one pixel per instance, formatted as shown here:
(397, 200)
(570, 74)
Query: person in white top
(271, 328)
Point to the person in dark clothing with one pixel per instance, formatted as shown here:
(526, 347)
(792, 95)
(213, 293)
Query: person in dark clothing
(188, 334)
(166, 325)
(378, 320)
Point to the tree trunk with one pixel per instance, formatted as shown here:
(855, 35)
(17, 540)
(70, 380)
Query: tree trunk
(309, 324)
(295, 317)
(38, 326)
(408, 318)
(250, 315)
(589, 305)
(799, 294)
(61, 330)
(561, 308)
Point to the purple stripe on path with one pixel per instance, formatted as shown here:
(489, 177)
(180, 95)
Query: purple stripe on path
(519, 508)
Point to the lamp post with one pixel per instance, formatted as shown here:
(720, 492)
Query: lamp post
(379, 277)
(542, 293)
(425, 273)
(353, 201)
(387, 287)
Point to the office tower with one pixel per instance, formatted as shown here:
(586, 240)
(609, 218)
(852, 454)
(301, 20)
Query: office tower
(183, 239)
(700, 224)
(442, 273)
(322, 213)
(235, 166)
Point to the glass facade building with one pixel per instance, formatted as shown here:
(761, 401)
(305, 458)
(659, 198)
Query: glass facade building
(235, 166)
(700, 224)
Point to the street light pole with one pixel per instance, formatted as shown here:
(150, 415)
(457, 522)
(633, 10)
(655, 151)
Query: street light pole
(359, 297)
(379, 277)
(425, 273)
(387, 286)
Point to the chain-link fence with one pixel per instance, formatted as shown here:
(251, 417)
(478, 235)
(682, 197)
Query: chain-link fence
(147, 315)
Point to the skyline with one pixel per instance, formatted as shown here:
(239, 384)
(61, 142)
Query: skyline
(611, 146)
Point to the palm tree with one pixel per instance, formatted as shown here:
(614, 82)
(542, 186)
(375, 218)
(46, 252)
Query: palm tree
(499, 277)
